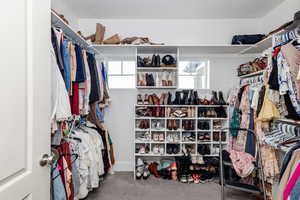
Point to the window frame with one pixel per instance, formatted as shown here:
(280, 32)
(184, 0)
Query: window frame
(122, 60)
(195, 59)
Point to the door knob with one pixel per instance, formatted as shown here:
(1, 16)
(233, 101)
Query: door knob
(49, 160)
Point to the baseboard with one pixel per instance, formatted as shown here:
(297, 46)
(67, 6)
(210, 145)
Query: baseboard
(123, 166)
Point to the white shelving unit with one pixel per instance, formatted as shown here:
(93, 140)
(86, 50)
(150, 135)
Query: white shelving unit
(212, 144)
(149, 51)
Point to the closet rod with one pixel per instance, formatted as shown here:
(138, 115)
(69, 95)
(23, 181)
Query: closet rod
(57, 22)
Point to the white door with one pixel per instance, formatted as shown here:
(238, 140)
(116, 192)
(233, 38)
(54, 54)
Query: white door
(24, 99)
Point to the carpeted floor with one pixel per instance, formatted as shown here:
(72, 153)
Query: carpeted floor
(121, 186)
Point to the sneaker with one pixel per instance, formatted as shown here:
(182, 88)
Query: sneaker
(161, 137)
(194, 159)
(173, 166)
(183, 179)
(142, 150)
(161, 150)
(200, 160)
(155, 149)
(146, 173)
(196, 178)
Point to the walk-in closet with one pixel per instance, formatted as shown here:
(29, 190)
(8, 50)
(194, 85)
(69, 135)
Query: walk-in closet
(140, 100)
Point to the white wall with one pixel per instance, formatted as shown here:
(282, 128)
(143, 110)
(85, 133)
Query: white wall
(175, 31)
(62, 8)
(280, 15)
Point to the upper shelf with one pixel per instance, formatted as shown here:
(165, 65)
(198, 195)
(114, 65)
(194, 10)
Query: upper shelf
(56, 21)
(259, 47)
(183, 49)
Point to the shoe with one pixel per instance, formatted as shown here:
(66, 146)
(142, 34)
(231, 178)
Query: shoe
(146, 173)
(157, 61)
(139, 168)
(153, 169)
(140, 62)
(177, 98)
(175, 149)
(153, 61)
(196, 178)
(164, 79)
(174, 175)
(169, 101)
(139, 99)
(200, 160)
(155, 137)
(170, 79)
(183, 179)
(194, 160)
(157, 79)
(161, 150)
(196, 98)
(147, 149)
(161, 137)
(155, 149)
(142, 150)
(190, 179)
(185, 99)
(214, 100)
(162, 99)
(173, 166)
(221, 99)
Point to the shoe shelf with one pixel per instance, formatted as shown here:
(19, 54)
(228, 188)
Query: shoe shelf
(178, 136)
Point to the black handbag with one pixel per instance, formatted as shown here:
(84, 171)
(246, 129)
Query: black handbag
(247, 39)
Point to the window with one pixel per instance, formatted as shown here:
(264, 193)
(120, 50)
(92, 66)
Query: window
(193, 74)
(121, 74)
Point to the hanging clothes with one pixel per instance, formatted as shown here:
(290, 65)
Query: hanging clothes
(60, 101)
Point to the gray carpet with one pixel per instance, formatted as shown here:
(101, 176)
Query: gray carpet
(121, 186)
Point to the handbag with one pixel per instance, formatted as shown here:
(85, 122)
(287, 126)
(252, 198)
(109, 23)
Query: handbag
(247, 39)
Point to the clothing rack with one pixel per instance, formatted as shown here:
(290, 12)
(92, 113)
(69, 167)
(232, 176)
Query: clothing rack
(250, 79)
(57, 22)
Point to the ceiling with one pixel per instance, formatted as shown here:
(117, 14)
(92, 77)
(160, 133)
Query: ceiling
(171, 9)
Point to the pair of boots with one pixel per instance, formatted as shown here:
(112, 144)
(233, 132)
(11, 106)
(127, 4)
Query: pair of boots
(218, 99)
(150, 80)
(186, 97)
(155, 62)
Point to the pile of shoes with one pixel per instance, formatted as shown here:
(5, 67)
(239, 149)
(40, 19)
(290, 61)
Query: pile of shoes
(142, 170)
(203, 125)
(150, 112)
(158, 149)
(217, 112)
(98, 38)
(173, 149)
(142, 149)
(157, 79)
(143, 137)
(158, 137)
(185, 97)
(173, 137)
(204, 149)
(204, 137)
(188, 137)
(144, 124)
(178, 112)
(156, 61)
(216, 136)
(172, 124)
(188, 125)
